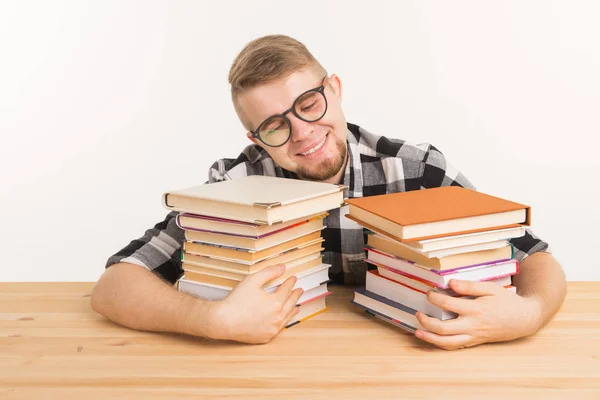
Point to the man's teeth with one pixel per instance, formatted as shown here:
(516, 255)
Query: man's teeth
(317, 147)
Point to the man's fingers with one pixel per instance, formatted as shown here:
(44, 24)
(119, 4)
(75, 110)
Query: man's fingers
(449, 327)
(451, 342)
(474, 288)
(266, 274)
(291, 314)
(289, 308)
(292, 300)
(283, 291)
(454, 304)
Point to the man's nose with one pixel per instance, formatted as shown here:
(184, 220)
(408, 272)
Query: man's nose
(300, 129)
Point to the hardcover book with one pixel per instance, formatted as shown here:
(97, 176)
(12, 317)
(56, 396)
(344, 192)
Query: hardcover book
(436, 212)
(257, 199)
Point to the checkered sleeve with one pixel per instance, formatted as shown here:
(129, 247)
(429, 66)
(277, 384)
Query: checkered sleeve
(528, 244)
(437, 171)
(158, 250)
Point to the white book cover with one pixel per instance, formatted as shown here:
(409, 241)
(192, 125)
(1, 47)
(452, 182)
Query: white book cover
(263, 199)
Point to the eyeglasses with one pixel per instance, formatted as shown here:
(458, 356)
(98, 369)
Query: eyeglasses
(310, 106)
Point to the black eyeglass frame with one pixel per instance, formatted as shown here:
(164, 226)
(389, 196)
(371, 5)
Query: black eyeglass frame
(319, 89)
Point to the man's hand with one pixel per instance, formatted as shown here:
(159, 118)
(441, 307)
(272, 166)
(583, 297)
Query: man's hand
(250, 314)
(495, 315)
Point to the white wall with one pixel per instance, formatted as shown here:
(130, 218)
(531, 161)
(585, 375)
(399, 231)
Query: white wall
(104, 105)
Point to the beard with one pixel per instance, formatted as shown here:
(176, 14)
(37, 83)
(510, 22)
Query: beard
(328, 168)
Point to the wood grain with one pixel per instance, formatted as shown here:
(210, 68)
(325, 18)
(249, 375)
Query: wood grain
(52, 345)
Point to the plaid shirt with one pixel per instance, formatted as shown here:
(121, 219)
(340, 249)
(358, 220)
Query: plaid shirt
(376, 165)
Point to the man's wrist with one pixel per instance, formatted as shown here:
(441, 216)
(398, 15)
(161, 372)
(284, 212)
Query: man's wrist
(197, 318)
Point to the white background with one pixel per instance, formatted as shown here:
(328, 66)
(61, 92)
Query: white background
(104, 105)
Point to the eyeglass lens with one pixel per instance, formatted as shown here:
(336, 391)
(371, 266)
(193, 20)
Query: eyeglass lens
(309, 107)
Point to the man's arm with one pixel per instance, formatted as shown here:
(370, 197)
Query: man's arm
(542, 279)
(136, 298)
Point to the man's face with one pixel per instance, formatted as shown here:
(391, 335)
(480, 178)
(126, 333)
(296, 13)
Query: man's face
(328, 161)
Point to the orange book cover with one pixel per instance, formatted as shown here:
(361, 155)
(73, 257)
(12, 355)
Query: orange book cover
(418, 207)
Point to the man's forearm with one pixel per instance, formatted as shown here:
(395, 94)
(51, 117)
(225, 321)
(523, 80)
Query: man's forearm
(134, 297)
(542, 280)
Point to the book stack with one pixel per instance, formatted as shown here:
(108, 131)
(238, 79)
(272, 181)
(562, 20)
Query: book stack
(419, 240)
(238, 227)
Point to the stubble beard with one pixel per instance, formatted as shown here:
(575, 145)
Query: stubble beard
(328, 168)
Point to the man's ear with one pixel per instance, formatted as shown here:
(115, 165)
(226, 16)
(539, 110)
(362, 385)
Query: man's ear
(336, 85)
(252, 139)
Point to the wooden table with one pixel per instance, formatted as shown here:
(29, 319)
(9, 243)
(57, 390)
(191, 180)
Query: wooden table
(52, 345)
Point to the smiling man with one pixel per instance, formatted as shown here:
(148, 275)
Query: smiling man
(317, 150)
(291, 109)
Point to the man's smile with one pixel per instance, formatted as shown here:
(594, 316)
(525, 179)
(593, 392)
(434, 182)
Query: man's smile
(314, 147)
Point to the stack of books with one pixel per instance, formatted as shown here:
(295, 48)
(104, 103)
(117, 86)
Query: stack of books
(419, 240)
(238, 227)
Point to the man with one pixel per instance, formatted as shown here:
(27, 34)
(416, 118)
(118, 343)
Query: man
(291, 109)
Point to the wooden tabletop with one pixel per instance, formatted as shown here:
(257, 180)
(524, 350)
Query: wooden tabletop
(52, 345)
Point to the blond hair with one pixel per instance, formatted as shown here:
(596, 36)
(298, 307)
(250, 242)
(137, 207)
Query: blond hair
(267, 59)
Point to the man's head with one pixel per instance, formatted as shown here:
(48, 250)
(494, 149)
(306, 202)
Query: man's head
(268, 78)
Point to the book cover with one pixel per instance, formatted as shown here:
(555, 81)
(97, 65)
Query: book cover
(436, 212)
(257, 199)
